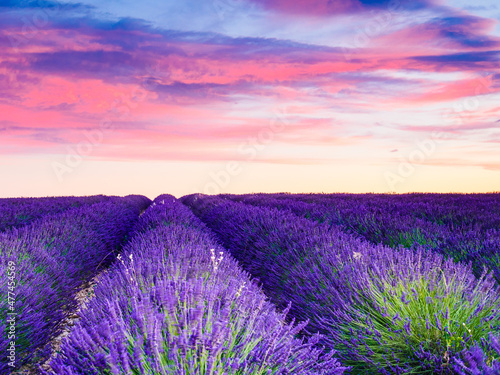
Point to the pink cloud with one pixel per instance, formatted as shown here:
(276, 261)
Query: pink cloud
(454, 90)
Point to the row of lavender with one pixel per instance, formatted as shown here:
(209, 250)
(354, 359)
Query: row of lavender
(43, 265)
(449, 209)
(15, 212)
(463, 227)
(177, 304)
(383, 311)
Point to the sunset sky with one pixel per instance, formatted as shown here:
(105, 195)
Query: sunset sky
(212, 96)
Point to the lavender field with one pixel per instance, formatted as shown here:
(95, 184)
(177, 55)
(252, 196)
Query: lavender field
(253, 284)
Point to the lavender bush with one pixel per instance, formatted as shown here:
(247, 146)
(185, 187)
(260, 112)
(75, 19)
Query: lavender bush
(53, 257)
(481, 359)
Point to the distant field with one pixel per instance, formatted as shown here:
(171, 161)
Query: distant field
(251, 284)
